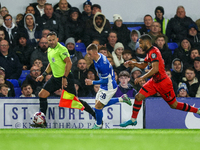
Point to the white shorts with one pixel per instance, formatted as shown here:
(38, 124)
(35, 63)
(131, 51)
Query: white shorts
(104, 96)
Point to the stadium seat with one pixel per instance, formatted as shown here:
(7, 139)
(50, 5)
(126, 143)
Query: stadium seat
(24, 73)
(81, 47)
(134, 28)
(17, 91)
(172, 46)
(14, 82)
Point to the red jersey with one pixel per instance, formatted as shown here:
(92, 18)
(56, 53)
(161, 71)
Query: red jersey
(153, 55)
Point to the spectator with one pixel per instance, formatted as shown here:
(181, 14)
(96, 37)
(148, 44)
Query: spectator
(194, 35)
(74, 55)
(3, 90)
(97, 31)
(134, 36)
(117, 54)
(87, 13)
(11, 91)
(11, 29)
(81, 72)
(177, 27)
(175, 85)
(126, 55)
(183, 51)
(194, 52)
(31, 79)
(30, 10)
(96, 8)
(148, 20)
(112, 40)
(155, 30)
(32, 31)
(23, 51)
(38, 62)
(52, 22)
(45, 32)
(191, 82)
(75, 25)
(125, 87)
(79, 89)
(3, 35)
(39, 7)
(182, 90)
(110, 59)
(197, 67)
(159, 12)
(135, 72)
(9, 61)
(166, 53)
(62, 12)
(4, 11)
(40, 52)
(177, 70)
(103, 50)
(27, 91)
(94, 90)
(121, 29)
(139, 53)
(19, 17)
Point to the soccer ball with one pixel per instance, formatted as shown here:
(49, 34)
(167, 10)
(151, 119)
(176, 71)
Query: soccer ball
(39, 118)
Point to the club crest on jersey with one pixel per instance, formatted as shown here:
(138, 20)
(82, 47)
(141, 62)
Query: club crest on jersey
(53, 59)
(153, 55)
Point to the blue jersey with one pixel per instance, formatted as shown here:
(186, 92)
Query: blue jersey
(105, 71)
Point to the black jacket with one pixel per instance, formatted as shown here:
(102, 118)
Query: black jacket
(54, 24)
(177, 28)
(123, 34)
(11, 64)
(24, 54)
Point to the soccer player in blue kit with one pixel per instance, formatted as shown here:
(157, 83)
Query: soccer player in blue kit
(108, 85)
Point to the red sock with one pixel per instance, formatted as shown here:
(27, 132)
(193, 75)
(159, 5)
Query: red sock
(136, 107)
(186, 107)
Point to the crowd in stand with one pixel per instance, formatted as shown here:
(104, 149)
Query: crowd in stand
(24, 44)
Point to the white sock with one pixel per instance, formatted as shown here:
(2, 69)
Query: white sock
(120, 99)
(133, 119)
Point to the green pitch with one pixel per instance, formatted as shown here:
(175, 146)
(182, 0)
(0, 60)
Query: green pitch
(105, 139)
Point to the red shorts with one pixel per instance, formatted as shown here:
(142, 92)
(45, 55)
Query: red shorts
(164, 87)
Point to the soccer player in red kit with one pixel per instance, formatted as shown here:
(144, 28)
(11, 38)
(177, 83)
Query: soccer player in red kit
(159, 82)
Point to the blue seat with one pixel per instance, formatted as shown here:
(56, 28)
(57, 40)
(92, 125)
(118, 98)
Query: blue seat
(17, 91)
(24, 73)
(134, 28)
(14, 82)
(80, 47)
(172, 46)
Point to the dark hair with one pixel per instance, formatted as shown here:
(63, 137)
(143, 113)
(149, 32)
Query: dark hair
(146, 37)
(113, 31)
(47, 4)
(148, 15)
(92, 47)
(160, 36)
(25, 85)
(190, 68)
(103, 48)
(124, 73)
(194, 48)
(127, 51)
(3, 85)
(29, 6)
(51, 33)
(4, 18)
(110, 57)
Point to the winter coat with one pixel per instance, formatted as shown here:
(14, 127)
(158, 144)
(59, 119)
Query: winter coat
(177, 28)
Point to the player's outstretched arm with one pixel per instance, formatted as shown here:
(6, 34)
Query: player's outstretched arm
(141, 65)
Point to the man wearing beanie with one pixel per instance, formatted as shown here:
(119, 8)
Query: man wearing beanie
(97, 31)
(159, 12)
(87, 13)
(23, 51)
(194, 35)
(74, 54)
